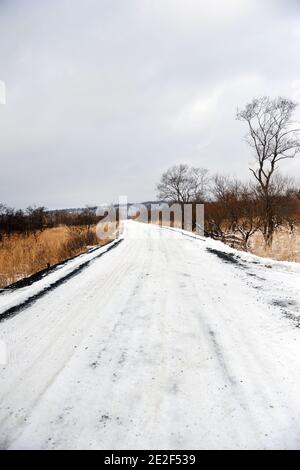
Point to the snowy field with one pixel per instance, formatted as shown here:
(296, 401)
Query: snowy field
(166, 341)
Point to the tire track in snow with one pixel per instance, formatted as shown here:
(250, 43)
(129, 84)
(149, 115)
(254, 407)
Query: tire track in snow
(10, 312)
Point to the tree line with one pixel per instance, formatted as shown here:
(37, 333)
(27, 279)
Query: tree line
(36, 219)
(236, 210)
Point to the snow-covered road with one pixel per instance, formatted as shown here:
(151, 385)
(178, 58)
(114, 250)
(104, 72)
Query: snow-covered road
(167, 341)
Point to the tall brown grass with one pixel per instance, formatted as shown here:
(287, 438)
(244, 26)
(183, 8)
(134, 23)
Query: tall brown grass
(285, 246)
(23, 255)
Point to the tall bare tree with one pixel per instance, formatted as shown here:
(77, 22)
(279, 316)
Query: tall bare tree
(183, 184)
(273, 135)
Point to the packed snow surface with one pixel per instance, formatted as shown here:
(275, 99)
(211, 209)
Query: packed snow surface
(167, 341)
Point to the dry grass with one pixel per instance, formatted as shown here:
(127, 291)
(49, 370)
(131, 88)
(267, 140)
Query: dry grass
(21, 255)
(286, 246)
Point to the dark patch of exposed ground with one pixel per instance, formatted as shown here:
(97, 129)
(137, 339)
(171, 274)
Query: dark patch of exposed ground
(288, 307)
(227, 257)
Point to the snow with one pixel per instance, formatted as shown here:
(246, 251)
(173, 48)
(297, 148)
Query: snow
(12, 298)
(168, 341)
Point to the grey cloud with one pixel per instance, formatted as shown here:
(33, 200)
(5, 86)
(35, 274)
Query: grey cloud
(102, 96)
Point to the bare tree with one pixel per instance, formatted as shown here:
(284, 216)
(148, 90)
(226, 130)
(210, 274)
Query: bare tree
(274, 137)
(233, 214)
(88, 217)
(183, 184)
(35, 220)
(248, 221)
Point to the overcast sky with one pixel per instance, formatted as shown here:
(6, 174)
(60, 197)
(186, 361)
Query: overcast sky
(103, 95)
